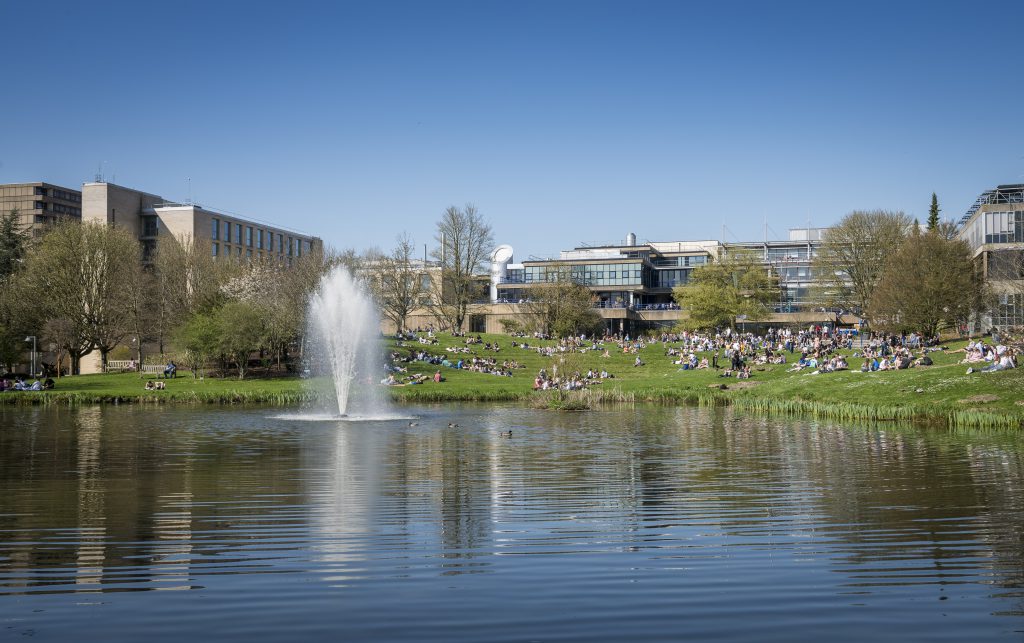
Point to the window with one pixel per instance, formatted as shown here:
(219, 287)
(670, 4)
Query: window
(40, 191)
(248, 236)
(280, 243)
(290, 246)
(238, 250)
(259, 239)
(238, 235)
(39, 205)
(227, 231)
(216, 248)
(215, 231)
(248, 254)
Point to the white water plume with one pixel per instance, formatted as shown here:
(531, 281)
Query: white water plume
(345, 331)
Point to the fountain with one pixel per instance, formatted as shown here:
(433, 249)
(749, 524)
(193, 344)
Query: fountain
(344, 333)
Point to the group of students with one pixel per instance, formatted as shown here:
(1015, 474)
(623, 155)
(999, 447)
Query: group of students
(575, 382)
(19, 384)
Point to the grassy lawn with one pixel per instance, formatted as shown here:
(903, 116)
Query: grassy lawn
(937, 391)
(943, 392)
(130, 387)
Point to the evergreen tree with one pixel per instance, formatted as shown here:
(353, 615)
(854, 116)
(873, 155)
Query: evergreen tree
(933, 214)
(13, 242)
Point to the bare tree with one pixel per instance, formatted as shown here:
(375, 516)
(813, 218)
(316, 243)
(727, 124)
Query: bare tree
(86, 273)
(395, 282)
(185, 279)
(853, 255)
(561, 307)
(465, 243)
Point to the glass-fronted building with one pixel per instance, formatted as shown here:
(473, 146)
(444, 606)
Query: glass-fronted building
(994, 228)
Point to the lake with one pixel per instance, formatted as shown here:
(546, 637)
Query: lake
(648, 523)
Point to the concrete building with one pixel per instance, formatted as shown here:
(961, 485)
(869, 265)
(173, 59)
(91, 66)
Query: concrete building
(149, 216)
(994, 229)
(40, 204)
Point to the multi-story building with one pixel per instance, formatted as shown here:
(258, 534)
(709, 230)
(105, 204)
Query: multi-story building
(149, 216)
(632, 283)
(994, 229)
(40, 204)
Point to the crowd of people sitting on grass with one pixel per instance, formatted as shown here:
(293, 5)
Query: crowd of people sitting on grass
(988, 358)
(22, 384)
(813, 350)
(574, 382)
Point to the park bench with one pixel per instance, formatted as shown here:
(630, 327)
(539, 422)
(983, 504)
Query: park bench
(121, 365)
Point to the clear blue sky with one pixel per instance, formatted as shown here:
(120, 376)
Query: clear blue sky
(564, 122)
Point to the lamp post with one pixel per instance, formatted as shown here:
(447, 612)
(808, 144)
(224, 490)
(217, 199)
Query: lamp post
(32, 338)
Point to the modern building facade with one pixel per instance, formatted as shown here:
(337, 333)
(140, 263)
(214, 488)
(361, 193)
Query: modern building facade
(40, 204)
(632, 283)
(149, 216)
(994, 229)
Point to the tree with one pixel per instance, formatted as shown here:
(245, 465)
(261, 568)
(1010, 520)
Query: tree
(717, 293)
(933, 214)
(185, 279)
(86, 274)
(15, 316)
(199, 338)
(395, 282)
(13, 243)
(466, 242)
(560, 307)
(241, 330)
(929, 283)
(853, 253)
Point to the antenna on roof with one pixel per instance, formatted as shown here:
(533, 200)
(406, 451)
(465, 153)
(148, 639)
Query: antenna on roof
(99, 172)
(189, 180)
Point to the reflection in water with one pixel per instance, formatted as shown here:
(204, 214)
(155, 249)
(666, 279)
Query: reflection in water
(629, 520)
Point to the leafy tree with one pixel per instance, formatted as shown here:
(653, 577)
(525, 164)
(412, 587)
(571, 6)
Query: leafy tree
(87, 274)
(853, 254)
(929, 283)
(466, 242)
(933, 214)
(241, 331)
(560, 307)
(395, 282)
(200, 339)
(718, 293)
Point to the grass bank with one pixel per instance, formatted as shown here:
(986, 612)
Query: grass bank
(943, 394)
(129, 388)
(940, 394)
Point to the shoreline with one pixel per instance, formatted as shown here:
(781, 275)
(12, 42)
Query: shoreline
(747, 400)
(939, 395)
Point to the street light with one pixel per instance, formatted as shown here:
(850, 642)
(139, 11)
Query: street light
(32, 338)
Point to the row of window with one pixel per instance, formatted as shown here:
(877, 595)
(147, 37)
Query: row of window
(668, 262)
(63, 195)
(1009, 311)
(611, 274)
(227, 251)
(996, 227)
(256, 237)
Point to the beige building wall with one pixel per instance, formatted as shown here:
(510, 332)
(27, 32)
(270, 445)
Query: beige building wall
(40, 204)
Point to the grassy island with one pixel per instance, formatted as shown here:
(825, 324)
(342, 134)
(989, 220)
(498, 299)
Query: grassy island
(942, 393)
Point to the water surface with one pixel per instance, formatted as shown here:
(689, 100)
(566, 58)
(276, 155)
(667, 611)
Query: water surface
(657, 524)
